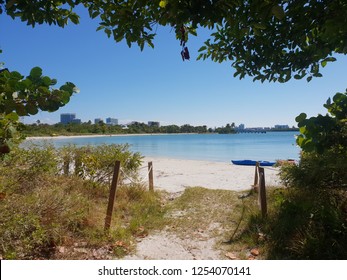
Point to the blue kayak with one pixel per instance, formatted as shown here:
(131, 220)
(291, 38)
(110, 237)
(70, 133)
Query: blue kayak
(253, 162)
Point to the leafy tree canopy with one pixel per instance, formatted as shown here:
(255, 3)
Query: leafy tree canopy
(272, 40)
(269, 40)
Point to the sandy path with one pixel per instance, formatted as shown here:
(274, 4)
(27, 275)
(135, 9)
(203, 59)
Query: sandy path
(166, 246)
(174, 175)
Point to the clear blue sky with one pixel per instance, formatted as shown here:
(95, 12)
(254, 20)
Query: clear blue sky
(155, 84)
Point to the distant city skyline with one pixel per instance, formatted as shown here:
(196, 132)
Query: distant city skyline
(66, 118)
(129, 121)
(156, 84)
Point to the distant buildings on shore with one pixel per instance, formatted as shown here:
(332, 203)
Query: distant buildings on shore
(153, 123)
(67, 118)
(111, 121)
(242, 128)
(281, 126)
(98, 121)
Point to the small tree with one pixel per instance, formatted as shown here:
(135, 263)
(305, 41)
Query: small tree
(325, 133)
(323, 140)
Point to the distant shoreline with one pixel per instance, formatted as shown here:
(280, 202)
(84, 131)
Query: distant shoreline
(103, 135)
(129, 134)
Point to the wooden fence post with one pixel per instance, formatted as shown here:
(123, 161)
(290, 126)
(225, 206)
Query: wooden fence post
(150, 176)
(112, 196)
(66, 166)
(262, 192)
(78, 163)
(256, 180)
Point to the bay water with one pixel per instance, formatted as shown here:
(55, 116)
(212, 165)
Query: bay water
(211, 147)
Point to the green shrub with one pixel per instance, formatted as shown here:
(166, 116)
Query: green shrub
(42, 208)
(327, 170)
(311, 221)
(309, 225)
(34, 223)
(22, 168)
(96, 163)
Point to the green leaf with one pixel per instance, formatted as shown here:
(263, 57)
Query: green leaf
(299, 140)
(199, 56)
(278, 12)
(16, 75)
(108, 32)
(68, 87)
(337, 97)
(20, 109)
(303, 130)
(259, 26)
(36, 72)
(31, 109)
(94, 14)
(150, 44)
(256, 32)
(331, 59)
(162, 4)
(193, 31)
(46, 81)
(297, 77)
(202, 48)
(12, 116)
(301, 117)
(27, 82)
(324, 63)
(65, 97)
(74, 18)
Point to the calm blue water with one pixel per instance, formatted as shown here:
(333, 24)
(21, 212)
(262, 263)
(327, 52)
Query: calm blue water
(211, 147)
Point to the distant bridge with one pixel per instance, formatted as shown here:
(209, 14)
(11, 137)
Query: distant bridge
(251, 131)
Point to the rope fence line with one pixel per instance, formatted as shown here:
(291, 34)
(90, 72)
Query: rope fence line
(143, 167)
(126, 176)
(140, 180)
(269, 168)
(149, 170)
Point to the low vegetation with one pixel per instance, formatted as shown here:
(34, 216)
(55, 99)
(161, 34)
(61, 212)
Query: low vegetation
(87, 128)
(102, 128)
(46, 214)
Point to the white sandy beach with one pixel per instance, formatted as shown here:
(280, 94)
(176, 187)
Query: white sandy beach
(95, 135)
(174, 175)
